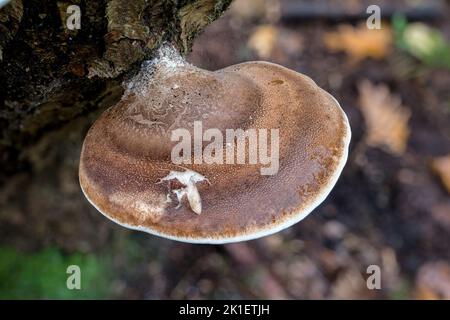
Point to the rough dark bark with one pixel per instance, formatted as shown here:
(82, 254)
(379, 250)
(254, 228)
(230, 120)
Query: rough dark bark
(51, 75)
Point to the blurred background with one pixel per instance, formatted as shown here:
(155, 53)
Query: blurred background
(391, 206)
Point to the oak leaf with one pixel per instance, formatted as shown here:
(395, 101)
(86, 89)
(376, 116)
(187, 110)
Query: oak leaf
(360, 42)
(386, 119)
(441, 166)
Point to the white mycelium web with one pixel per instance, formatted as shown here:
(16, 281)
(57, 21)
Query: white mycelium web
(167, 59)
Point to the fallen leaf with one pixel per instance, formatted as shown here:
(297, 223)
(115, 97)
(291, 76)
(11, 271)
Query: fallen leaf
(433, 281)
(441, 166)
(276, 44)
(360, 42)
(263, 40)
(386, 119)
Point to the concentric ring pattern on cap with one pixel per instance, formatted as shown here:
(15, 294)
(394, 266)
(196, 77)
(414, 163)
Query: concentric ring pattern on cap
(128, 149)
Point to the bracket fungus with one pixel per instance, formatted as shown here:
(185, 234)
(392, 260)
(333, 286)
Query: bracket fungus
(127, 170)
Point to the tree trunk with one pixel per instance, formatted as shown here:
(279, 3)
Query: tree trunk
(51, 75)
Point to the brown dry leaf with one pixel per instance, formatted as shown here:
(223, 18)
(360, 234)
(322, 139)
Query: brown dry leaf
(441, 166)
(386, 119)
(360, 42)
(263, 40)
(433, 281)
(277, 44)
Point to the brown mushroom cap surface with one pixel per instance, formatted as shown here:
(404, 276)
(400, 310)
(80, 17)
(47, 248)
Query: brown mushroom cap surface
(127, 151)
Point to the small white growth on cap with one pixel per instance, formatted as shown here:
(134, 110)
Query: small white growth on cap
(167, 59)
(188, 178)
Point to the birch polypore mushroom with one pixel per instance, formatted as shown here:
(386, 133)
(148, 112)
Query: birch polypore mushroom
(127, 170)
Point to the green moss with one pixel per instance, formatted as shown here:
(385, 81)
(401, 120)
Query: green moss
(42, 275)
(425, 43)
(401, 291)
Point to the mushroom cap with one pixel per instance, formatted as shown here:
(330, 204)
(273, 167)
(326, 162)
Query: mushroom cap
(127, 152)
